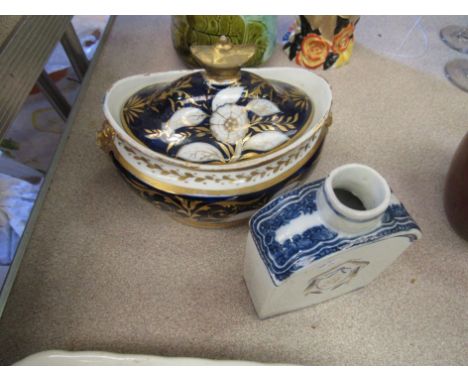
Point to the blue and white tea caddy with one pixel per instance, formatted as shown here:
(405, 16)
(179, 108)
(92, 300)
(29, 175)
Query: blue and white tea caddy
(324, 239)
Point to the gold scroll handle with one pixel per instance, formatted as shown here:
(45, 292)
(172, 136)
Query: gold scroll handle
(105, 137)
(223, 60)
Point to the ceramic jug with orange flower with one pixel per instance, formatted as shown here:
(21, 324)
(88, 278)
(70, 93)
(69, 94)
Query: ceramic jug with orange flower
(320, 41)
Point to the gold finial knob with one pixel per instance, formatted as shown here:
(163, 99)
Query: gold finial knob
(223, 60)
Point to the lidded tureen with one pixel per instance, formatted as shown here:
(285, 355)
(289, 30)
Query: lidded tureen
(215, 145)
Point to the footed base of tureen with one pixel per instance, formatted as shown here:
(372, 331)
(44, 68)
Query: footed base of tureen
(209, 211)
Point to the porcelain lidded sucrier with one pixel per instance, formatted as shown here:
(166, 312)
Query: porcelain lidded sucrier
(213, 146)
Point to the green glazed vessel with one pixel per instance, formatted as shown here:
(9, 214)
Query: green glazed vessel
(240, 30)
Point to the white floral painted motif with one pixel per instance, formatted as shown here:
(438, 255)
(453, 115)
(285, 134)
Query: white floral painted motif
(200, 152)
(265, 141)
(166, 135)
(229, 123)
(262, 107)
(187, 116)
(226, 96)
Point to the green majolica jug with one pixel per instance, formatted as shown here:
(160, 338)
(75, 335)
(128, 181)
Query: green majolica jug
(240, 30)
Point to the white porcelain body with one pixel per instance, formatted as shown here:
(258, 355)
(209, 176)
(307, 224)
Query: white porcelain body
(178, 176)
(349, 254)
(270, 300)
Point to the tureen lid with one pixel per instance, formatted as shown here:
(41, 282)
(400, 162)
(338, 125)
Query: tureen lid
(219, 115)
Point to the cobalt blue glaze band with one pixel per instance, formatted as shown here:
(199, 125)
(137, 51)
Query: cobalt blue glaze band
(212, 209)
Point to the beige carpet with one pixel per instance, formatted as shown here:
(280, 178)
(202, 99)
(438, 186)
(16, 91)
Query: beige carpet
(106, 271)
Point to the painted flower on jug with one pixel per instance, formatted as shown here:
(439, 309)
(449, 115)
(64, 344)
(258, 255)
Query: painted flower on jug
(320, 41)
(342, 40)
(229, 123)
(314, 51)
(345, 56)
